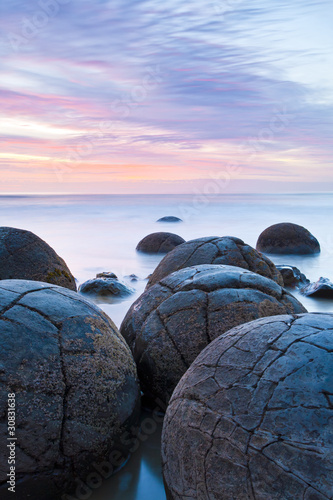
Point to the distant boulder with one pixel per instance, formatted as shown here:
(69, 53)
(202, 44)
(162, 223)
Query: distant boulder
(105, 285)
(23, 255)
(159, 243)
(287, 238)
(169, 218)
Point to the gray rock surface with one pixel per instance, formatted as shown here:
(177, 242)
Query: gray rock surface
(253, 416)
(322, 288)
(171, 322)
(76, 388)
(169, 218)
(287, 238)
(159, 242)
(23, 255)
(105, 285)
(227, 250)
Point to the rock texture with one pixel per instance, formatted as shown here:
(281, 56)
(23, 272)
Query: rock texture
(214, 250)
(322, 288)
(292, 276)
(23, 255)
(287, 238)
(170, 324)
(105, 285)
(169, 218)
(75, 383)
(253, 416)
(159, 243)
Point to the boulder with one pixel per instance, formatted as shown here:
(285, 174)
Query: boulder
(227, 250)
(252, 417)
(159, 243)
(76, 389)
(23, 255)
(322, 288)
(292, 276)
(105, 285)
(170, 323)
(169, 218)
(287, 238)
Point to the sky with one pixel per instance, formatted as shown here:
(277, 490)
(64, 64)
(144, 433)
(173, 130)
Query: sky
(147, 96)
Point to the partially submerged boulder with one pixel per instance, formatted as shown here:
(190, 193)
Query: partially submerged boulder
(171, 322)
(105, 285)
(227, 250)
(159, 242)
(292, 276)
(287, 238)
(75, 386)
(169, 218)
(23, 255)
(322, 288)
(252, 417)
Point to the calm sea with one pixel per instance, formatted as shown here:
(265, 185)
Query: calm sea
(100, 232)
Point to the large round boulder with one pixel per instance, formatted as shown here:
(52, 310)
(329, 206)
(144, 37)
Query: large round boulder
(227, 250)
(287, 238)
(252, 417)
(170, 323)
(23, 255)
(159, 242)
(76, 390)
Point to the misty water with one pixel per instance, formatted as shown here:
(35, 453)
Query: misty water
(100, 232)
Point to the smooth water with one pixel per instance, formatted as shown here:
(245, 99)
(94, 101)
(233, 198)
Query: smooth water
(100, 232)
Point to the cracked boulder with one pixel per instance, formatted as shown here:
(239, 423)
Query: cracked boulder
(23, 255)
(227, 250)
(287, 238)
(174, 320)
(252, 417)
(159, 243)
(76, 390)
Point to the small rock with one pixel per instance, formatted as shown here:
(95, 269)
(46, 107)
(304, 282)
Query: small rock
(321, 288)
(106, 275)
(292, 276)
(169, 218)
(104, 287)
(132, 277)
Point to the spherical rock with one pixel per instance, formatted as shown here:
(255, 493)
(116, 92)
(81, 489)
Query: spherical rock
(287, 238)
(170, 323)
(169, 218)
(159, 243)
(105, 285)
(23, 255)
(75, 384)
(228, 250)
(252, 417)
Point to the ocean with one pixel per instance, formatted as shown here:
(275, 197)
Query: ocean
(95, 233)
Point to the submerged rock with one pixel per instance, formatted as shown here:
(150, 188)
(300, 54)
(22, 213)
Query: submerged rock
(159, 243)
(75, 385)
(169, 218)
(105, 284)
(292, 276)
(252, 417)
(171, 322)
(23, 255)
(321, 288)
(287, 238)
(228, 250)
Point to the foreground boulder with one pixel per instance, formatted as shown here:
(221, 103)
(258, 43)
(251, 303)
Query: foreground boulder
(214, 250)
(170, 323)
(287, 238)
(105, 285)
(322, 288)
(169, 218)
(159, 243)
(252, 417)
(23, 255)
(76, 389)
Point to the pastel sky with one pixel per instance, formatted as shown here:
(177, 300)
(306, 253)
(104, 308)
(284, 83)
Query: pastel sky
(147, 96)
